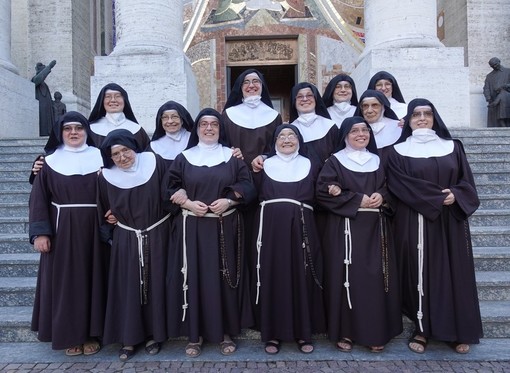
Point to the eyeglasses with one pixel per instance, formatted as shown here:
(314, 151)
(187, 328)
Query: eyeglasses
(115, 97)
(125, 152)
(173, 117)
(418, 114)
(207, 124)
(70, 128)
(363, 131)
(290, 137)
(253, 81)
(309, 97)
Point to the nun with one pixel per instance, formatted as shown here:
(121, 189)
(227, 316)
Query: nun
(130, 187)
(341, 98)
(63, 227)
(361, 282)
(434, 189)
(288, 293)
(386, 83)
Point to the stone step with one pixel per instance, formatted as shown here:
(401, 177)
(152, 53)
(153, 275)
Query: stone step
(484, 186)
(491, 258)
(13, 209)
(15, 244)
(17, 291)
(19, 265)
(19, 157)
(21, 142)
(499, 217)
(16, 165)
(15, 196)
(23, 173)
(494, 201)
(492, 285)
(15, 225)
(494, 164)
(15, 184)
(490, 236)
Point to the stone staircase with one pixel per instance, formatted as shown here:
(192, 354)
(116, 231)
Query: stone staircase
(489, 155)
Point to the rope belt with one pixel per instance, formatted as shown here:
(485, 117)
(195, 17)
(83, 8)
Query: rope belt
(419, 314)
(259, 236)
(143, 255)
(67, 206)
(348, 251)
(184, 269)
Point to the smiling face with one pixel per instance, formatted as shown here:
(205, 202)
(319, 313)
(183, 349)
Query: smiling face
(371, 109)
(252, 85)
(209, 129)
(171, 121)
(122, 156)
(73, 134)
(113, 101)
(287, 141)
(385, 86)
(358, 136)
(422, 117)
(305, 101)
(343, 92)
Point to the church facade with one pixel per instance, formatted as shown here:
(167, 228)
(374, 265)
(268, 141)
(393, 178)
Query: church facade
(191, 51)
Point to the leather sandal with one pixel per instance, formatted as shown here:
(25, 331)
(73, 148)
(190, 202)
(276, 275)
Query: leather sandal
(152, 347)
(274, 344)
(194, 349)
(421, 342)
(126, 353)
(346, 342)
(302, 346)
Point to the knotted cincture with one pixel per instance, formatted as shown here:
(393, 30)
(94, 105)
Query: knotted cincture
(419, 314)
(143, 256)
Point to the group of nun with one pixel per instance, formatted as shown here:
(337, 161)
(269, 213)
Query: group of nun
(337, 222)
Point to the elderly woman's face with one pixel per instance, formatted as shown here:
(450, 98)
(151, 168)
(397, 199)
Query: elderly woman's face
(359, 136)
(343, 92)
(252, 85)
(385, 86)
(305, 101)
(422, 117)
(171, 121)
(287, 141)
(371, 109)
(73, 134)
(122, 156)
(113, 101)
(208, 129)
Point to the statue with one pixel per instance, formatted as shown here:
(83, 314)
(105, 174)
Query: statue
(497, 94)
(59, 108)
(43, 95)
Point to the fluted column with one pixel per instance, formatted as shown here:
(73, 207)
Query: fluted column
(5, 36)
(147, 26)
(400, 24)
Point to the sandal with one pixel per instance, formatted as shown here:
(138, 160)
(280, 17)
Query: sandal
(305, 347)
(347, 345)
(460, 348)
(126, 353)
(74, 351)
(91, 347)
(376, 349)
(194, 349)
(272, 347)
(152, 347)
(419, 340)
(227, 347)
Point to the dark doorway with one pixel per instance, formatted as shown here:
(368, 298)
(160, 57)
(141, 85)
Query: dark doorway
(279, 78)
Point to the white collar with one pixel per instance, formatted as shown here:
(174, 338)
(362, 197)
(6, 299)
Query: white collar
(169, 147)
(287, 170)
(386, 131)
(250, 117)
(358, 160)
(424, 143)
(83, 162)
(103, 126)
(339, 112)
(208, 155)
(398, 108)
(313, 127)
(141, 171)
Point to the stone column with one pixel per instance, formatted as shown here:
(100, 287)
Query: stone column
(19, 110)
(148, 60)
(401, 38)
(5, 37)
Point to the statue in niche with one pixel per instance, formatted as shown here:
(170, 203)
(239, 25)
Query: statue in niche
(43, 95)
(497, 94)
(59, 108)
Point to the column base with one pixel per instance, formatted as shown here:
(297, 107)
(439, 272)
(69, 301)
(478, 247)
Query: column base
(437, 74)
(19, 117)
